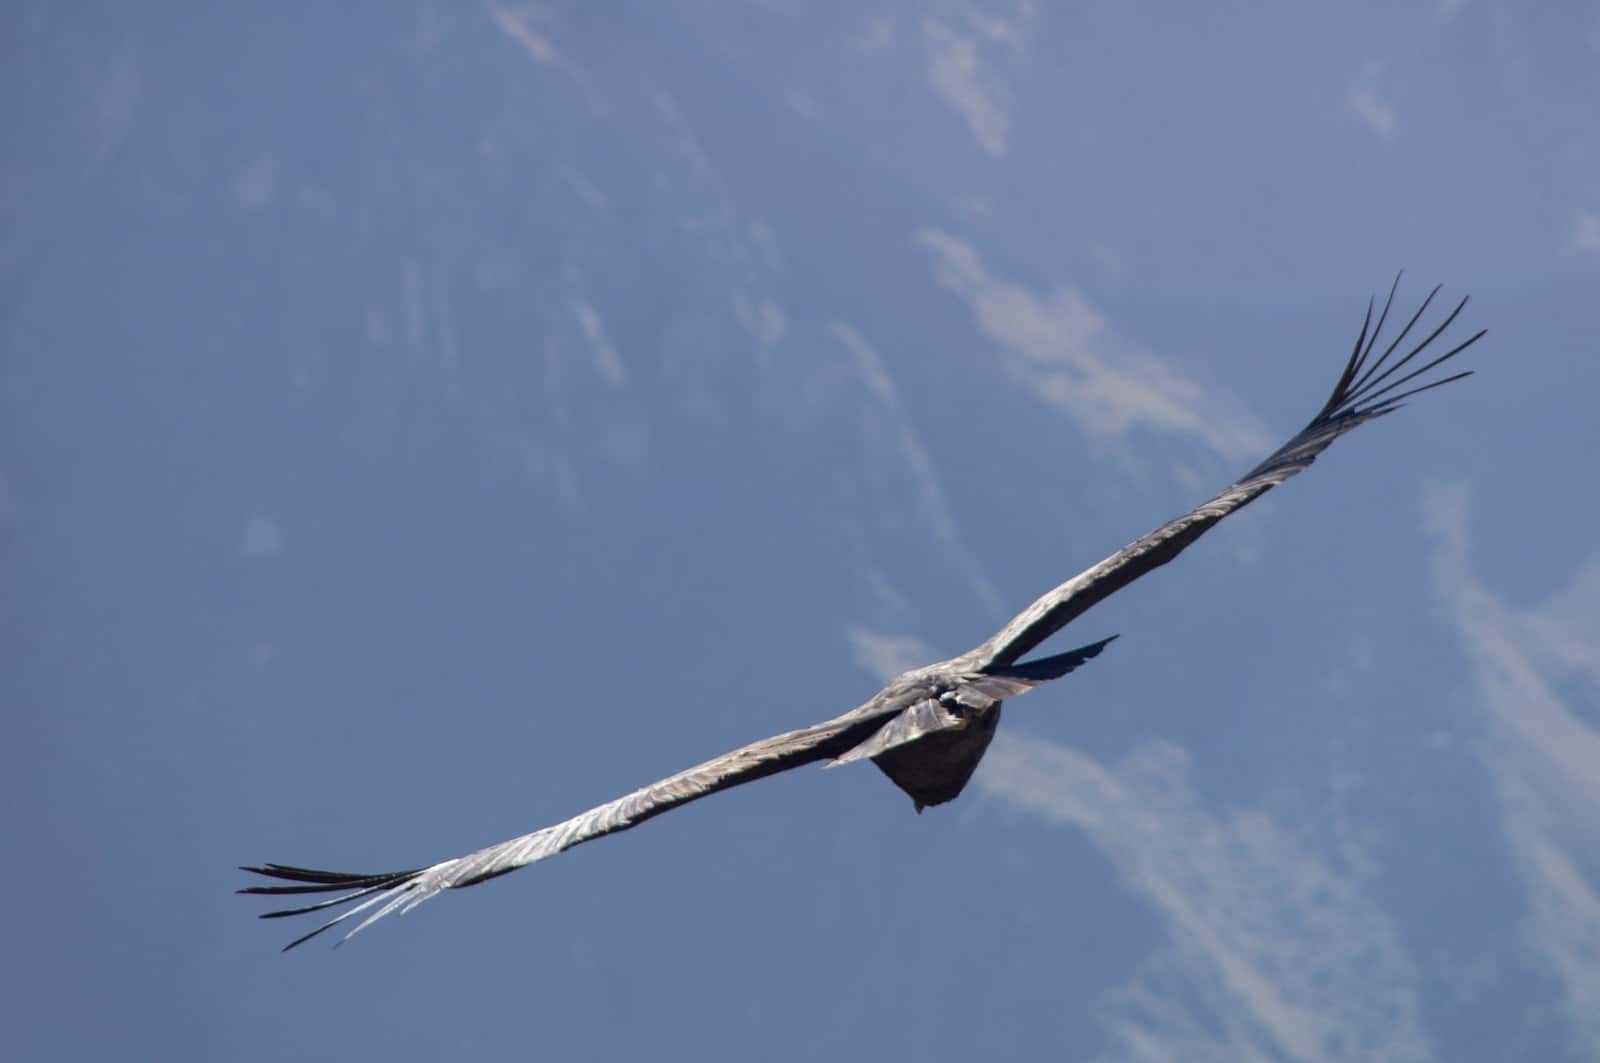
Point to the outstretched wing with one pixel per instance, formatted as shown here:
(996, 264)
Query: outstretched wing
(1366, 389)
(403, 890)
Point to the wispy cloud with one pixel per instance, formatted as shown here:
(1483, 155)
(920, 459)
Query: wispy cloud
(722, 229)
(876, 34)
(519, 26)
(262, 538)
(256, 185)
(934, 509)
(1376, 113)
(527, 25)
(953, 72)
(606, 359)
(1274, 951)
(1012, 31)
(885, 656)
(1585, 232)
(117, 91)
(586, 189)
(1065, 350)
(762, 317)
(1542, 751)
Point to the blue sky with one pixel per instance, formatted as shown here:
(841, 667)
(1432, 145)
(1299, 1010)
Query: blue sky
(419, 423)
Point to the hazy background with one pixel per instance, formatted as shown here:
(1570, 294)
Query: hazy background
(422, 421)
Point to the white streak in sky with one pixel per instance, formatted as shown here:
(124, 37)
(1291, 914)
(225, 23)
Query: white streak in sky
(518, 25)
(1062, 347)
(117, 92)
(762, 317)
(1275, 952)
(262, 538)
(885, 656)
(953, 72)
(585, 189)
(1542, 750)
(935, 510)
(876, 34)
(605, 355)
(256, 185)
(1585, 232)
(1376, 113)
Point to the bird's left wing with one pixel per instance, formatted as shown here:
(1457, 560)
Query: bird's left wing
(400, 891)
(1366, 389)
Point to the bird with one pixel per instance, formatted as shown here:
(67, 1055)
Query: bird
(928, 728)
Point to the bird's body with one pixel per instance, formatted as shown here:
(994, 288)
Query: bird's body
(935, 768)
(928, 728)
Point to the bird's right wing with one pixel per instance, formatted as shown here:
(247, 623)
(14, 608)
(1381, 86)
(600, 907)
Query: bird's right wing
(403, 890)
(1366, 389)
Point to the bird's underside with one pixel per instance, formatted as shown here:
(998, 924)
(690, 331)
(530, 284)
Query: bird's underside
(928, 729)
(935, 769)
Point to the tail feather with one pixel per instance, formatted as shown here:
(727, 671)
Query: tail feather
(1362, 389)
(324, 880)
(369, 889)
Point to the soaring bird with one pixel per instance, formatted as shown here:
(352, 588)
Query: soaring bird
(930, 726)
